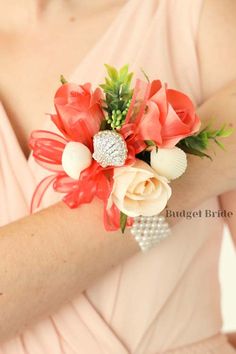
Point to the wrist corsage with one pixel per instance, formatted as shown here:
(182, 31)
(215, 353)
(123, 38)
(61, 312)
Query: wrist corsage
(122, 145)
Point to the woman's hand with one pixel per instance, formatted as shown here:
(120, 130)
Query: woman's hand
(216, 49)
(205, 178)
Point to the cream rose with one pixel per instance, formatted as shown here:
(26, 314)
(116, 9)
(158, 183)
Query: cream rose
(139, 190)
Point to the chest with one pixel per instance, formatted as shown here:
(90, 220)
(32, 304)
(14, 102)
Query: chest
(31, 65)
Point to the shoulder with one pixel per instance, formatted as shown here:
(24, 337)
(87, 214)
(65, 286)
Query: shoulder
(217, 44)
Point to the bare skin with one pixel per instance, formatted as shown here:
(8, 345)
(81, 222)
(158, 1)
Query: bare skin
(31, 47)
(71, 267)
(217, 55)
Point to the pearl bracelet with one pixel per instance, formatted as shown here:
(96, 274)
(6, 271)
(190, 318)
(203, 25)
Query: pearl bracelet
(148, 231)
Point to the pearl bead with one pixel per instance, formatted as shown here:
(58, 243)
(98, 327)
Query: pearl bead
(148, 231)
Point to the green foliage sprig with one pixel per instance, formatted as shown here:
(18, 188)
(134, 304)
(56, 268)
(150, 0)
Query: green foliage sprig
(63, 80)
(117, 95)
(123, 221)
(199, 143)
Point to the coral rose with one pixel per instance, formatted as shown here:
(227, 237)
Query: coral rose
(79, 112)
(169, 116)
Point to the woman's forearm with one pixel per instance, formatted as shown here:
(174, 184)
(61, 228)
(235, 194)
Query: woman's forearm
(51, 256)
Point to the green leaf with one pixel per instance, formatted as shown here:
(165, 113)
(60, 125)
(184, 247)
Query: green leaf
(107, 81)
(219, 144)
(103, 125)
(112, 72)
(123, 72)
(192, 151)
(225, 133)
(197, 144)
(123, 221)
(145, 75)
(118, 95)
(150, 143)
(63, 80)
(129, 78)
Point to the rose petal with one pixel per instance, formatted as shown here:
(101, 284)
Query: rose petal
(128, 206)
(154, 207)
(149, 127)
(136, 186)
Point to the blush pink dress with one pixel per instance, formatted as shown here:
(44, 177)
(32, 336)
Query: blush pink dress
(169, 299)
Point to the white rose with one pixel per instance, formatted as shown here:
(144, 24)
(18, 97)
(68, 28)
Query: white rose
(139, 190)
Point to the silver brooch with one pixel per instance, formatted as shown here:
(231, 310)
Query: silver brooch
(110, 148)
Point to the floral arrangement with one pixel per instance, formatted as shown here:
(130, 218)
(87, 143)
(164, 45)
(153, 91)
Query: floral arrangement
(120, 144)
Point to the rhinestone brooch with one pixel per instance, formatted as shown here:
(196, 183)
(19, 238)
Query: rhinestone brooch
(109, 148)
